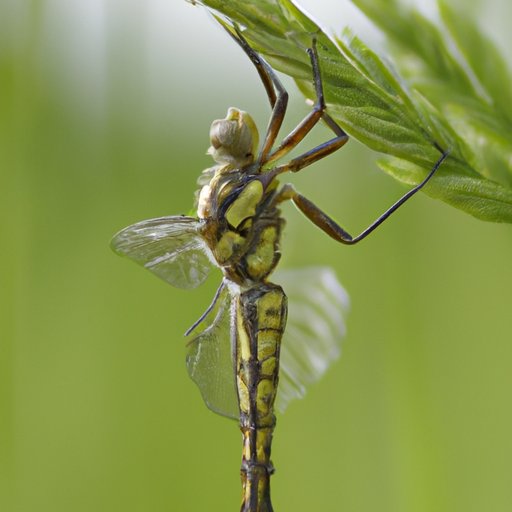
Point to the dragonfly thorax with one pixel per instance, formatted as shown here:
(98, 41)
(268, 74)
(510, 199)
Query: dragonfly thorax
(234, 139)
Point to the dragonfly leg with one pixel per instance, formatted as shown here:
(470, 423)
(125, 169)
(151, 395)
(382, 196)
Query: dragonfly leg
(207, 312)
(313, 155)
(267, 76)
(318, 112)
(277, 94)
(329, 226)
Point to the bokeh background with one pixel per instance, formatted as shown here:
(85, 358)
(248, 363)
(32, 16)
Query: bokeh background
(105, 107)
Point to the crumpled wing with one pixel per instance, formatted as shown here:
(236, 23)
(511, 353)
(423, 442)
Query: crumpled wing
(170, 247)
(317, 305)
(210, 361)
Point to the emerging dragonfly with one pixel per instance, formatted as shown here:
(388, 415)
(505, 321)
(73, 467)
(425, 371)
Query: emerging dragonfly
(234, 353)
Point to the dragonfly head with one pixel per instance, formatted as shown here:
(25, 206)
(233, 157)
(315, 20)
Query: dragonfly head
(234, 139)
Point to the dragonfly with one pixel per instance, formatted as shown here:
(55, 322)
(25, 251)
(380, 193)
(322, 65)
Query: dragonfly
(239, 344)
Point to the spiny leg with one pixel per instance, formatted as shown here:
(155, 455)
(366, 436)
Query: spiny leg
(312, 156)
(269, 84)
(318, 112)
(329, 226)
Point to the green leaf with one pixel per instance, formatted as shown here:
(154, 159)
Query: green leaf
(470, 85)
(472, 193)
(441, 106)
(483, 57)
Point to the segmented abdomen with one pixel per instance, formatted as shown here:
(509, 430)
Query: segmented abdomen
(258, 324)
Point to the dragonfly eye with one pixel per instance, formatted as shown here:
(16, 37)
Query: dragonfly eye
(234, 139)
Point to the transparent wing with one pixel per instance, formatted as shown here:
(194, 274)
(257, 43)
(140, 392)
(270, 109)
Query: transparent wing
(317, 305)
(210, 357)
(170, 247)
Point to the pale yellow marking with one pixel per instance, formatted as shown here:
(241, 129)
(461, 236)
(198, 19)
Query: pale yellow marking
(262, 259)
(262, 442)
(227, 244)
(267, 344)
(243, 340)
(203, 206)
(243, 395)
(265, 393)
(247, 445)
(243, 354)
(245, 205)
(268, 366)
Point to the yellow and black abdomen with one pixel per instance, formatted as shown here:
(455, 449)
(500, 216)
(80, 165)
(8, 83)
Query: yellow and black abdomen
(258, 324)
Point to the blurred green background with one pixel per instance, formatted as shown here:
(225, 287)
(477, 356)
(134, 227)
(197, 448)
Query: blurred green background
(105, 108)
